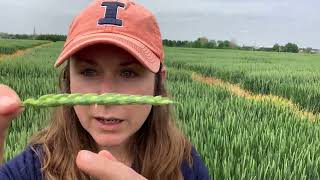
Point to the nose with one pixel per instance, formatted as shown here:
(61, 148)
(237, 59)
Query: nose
(107, 85)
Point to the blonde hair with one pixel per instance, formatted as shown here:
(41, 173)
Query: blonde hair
(159, 145)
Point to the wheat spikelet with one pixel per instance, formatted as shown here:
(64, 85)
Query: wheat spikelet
(53, 100)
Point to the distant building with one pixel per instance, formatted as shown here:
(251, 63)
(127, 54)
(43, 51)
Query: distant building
(315, 51)
(34, 32)
(309, 50)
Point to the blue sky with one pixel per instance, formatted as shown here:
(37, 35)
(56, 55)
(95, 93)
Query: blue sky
(248, 22)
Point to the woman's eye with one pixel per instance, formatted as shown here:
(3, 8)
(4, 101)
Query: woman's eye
(128, 73)
(88, 72)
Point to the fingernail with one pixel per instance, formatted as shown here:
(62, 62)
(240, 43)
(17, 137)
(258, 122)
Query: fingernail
(87, 156)
(6, 101)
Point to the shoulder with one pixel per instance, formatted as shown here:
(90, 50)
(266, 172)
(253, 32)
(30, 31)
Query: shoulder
(26, 165)
(198, 171)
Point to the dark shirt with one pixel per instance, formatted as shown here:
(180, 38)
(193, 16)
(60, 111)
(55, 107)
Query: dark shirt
(27, 166)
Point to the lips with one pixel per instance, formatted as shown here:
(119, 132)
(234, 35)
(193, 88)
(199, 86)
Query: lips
(108, 119)
(109, 124)
(113, 121)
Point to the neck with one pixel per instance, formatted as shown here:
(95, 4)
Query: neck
(121, 153)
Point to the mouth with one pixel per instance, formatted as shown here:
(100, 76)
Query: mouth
(109, 121)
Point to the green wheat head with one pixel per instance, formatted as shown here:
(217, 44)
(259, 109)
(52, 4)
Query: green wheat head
(53, 100)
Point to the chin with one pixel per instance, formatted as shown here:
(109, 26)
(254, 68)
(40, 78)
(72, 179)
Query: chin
(108, 139)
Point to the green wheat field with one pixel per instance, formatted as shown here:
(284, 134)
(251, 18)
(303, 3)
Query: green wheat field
(257, 119)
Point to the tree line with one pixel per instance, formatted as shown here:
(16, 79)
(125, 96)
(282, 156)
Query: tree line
(204, 42)
(201, 42)
(48, 37)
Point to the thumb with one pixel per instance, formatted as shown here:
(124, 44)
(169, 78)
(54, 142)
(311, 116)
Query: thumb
(96, 165)
(107, 154)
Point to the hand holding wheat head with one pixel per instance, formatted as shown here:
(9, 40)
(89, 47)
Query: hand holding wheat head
(52, 100)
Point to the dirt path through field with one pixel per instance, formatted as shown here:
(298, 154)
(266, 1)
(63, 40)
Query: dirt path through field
(238, 91)
(22, 52)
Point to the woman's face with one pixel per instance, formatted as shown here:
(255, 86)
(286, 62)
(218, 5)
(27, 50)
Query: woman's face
(108, 69)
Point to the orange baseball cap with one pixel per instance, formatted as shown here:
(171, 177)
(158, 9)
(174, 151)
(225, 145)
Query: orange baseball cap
(122, 23)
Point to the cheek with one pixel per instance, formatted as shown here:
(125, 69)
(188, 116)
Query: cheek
(77, 85)
(142, 87)
(144, 111)
(82, 113)
(138, 114)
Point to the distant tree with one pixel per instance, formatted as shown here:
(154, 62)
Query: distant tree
(247, 48)
(276, 47)
(267, 49)
(174, 43)
(224, 44)
(165, 42)
(22, 36)
(202, 42)
(170, 43)
(51, 37)
(220, 44)
(189, 44)
(212, 44)
(179, 43)
(197, 43)
(291, 47)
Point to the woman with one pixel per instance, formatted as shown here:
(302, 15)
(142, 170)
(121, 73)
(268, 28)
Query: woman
(112, 47)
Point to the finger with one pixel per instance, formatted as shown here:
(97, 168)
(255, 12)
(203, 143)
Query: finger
(96, 166)
(9, 107)
(8, 111)
(108, 155)
(9, 101)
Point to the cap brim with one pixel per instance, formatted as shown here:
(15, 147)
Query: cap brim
(142, 53)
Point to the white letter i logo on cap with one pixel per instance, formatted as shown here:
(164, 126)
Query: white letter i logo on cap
(111, 14)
